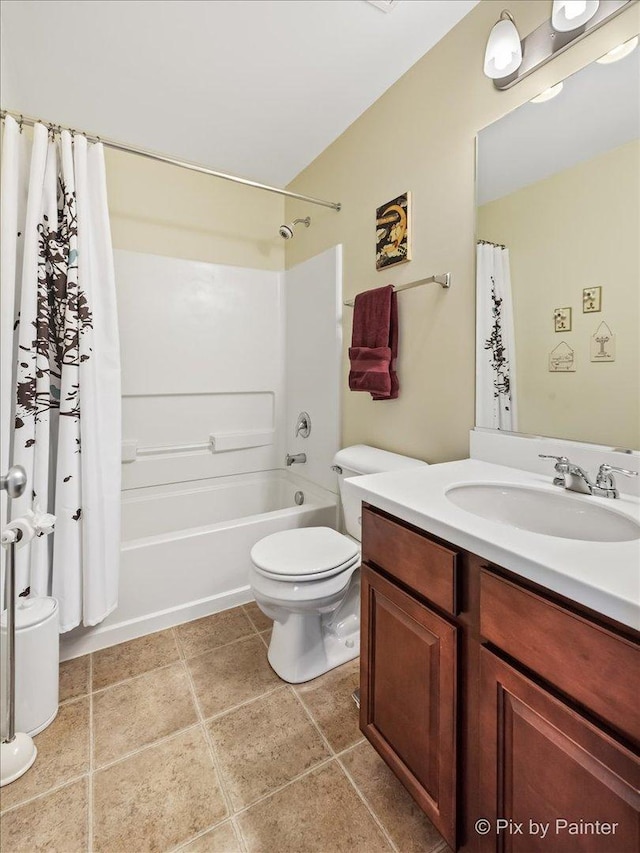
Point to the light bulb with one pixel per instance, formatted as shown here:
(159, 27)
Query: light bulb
(568, 15)
(574, 8)
(503, 55)
(619, 52)
(548, 94)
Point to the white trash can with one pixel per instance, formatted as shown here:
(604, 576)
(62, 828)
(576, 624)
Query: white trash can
(37, 664)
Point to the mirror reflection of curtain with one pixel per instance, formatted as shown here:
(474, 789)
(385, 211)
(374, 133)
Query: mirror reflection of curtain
(496, 402)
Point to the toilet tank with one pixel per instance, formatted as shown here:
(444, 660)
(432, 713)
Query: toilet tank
(358, 460)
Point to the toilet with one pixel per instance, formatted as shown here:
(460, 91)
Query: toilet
(308, 579)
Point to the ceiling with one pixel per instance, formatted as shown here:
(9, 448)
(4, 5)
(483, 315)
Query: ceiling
(598, 109)
(254, 87)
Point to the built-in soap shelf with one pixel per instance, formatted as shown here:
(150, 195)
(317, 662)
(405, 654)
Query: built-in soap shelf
(218, 443)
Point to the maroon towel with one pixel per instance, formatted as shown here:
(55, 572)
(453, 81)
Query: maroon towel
(374, 344)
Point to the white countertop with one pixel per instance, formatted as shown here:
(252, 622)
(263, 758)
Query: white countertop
(604, 576)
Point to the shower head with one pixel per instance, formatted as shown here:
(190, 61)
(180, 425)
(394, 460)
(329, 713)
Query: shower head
(286, 231)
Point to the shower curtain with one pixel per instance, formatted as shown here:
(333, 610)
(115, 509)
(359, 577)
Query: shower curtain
(60, 370)
(496, 402)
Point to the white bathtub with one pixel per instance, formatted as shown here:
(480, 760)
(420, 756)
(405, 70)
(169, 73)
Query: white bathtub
(185, 549)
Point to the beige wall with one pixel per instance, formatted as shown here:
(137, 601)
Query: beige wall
(420, 136)
(576, 229)
(165, 210)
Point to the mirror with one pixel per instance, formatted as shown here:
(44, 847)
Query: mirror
(558, 296)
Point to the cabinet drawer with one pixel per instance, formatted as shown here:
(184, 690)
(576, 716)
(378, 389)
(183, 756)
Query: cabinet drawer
(586, 661)
(421, 564)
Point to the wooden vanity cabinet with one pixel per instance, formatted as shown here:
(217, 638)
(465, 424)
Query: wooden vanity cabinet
(408, 694)
(543, 762)
(493, 698)
(412, 661)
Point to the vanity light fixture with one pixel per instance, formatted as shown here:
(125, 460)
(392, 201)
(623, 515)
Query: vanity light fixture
(506, 62)
(503, 55)
(568, 15)
(619, 52)
(548, 94)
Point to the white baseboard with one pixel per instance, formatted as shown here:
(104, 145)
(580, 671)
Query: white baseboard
(81, 641)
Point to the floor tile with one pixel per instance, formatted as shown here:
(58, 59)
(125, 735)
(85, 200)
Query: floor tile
(264, 745)
(409, 828)
(74, 678)
(56, 823)
(213, 631)
(256, 615)
(266, 637)
(131, 715)
(133, 658)
(320, 813)
(158, 798)
(220, 840)
(233, 674)
(330, 702)
(63, 753)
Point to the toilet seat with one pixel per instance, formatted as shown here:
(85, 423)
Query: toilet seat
(305, 554)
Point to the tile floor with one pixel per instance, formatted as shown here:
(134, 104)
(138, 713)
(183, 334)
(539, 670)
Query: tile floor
(187, 740)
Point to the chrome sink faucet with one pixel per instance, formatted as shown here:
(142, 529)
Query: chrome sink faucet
(575, 479)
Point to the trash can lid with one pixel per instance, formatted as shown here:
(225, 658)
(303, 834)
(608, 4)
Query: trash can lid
(31, 611)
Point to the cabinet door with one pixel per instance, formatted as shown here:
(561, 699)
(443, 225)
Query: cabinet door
(408, 695)
(544, 765)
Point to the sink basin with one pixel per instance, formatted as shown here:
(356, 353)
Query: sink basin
(541, 511)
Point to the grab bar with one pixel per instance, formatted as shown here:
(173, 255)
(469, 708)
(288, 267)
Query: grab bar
(218, 443)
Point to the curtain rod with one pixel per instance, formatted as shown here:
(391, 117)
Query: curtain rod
(172, 161)
(443, 280)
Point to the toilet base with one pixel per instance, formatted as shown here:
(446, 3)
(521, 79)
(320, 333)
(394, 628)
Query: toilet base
(304, 647)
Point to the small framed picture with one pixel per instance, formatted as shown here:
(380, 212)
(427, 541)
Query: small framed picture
(591, 300)
(603, 344)
(393, 232)
(562, 319)
(562, 359)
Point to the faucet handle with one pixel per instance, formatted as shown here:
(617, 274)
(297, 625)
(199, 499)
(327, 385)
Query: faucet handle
(562, 462)
(605, 481)
(561, 467)
(605, 472)
(303, 425)
(607, 469)
(561, 459)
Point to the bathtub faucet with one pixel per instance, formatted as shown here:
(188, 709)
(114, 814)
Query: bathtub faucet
(296, 457)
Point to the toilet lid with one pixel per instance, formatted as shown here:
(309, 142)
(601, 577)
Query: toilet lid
(305, 553)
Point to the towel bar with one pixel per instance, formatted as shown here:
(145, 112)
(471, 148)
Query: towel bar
(444, 280)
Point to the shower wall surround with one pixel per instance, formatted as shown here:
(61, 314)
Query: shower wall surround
(313, 299)
(228, 351)
(202, 353)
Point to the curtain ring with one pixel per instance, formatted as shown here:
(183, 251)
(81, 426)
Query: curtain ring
(21, 123)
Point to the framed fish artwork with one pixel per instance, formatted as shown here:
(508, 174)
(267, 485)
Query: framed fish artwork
(393, 232)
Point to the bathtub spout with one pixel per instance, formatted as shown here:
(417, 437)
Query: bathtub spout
(296, 457)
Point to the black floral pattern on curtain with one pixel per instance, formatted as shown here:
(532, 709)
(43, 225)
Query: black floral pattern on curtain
(494, 343)
(63, 316)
